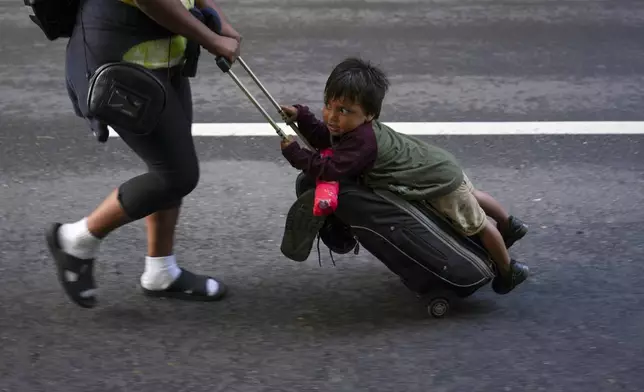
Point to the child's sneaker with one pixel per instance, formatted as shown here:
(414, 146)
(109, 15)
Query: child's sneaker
(518, 274)
(516, 230)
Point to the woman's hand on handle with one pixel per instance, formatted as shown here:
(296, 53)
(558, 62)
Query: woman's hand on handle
(227, 47)
(172, 15)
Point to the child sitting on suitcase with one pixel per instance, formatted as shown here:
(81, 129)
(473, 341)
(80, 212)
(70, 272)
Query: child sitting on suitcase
(366, 149)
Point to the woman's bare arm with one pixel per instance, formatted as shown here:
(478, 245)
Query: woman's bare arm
(172, 15)
(227, 29)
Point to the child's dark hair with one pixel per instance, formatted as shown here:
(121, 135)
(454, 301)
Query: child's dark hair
(360, 82)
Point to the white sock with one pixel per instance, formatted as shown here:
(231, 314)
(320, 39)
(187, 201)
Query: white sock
(76, 240)
(160, 272)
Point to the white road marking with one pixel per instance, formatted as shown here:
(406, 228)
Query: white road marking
(443, 128)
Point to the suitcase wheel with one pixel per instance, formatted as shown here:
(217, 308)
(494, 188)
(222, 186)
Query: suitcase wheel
(438, 307)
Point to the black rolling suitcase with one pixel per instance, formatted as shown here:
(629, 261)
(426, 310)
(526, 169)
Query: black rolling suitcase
(431, 258)
(412, 240)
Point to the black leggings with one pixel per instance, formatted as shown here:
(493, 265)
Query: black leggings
(169, 151)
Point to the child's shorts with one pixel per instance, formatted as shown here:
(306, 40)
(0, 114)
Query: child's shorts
(462, 208)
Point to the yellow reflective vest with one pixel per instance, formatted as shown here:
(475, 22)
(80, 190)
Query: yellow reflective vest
(158, 53)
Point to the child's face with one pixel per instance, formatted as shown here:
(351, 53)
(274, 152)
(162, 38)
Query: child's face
(343, 116)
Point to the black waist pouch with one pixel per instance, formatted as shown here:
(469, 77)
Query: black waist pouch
(123, 94)
(126, 95)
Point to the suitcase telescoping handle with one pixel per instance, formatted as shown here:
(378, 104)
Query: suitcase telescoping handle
(214, 23)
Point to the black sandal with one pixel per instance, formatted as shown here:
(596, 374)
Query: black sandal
(190, 287)
(74, 274)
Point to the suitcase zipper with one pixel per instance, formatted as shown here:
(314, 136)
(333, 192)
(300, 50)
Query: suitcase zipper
(416, 261)
(456, 246)
(483, 268)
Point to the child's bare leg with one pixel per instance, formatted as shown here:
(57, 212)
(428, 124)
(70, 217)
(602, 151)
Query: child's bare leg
(469, 217)
(511, 228)
(511, 273)
(493, 243)
(492, 209)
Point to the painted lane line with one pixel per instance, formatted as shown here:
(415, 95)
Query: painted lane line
(443, 128)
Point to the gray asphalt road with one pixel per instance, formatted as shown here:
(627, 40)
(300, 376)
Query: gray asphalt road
(576, 326)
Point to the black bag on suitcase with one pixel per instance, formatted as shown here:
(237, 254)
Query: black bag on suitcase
(414, 242)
